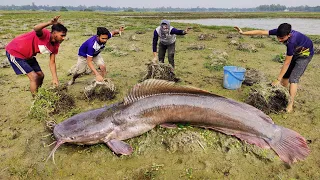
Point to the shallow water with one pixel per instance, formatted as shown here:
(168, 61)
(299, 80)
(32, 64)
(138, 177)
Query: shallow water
(306, 26)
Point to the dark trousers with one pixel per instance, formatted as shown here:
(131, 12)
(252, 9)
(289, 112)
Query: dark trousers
(162, 52)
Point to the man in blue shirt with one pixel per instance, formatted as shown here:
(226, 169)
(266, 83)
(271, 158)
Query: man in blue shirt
(167, 35)
(89, 52)
(299, 54)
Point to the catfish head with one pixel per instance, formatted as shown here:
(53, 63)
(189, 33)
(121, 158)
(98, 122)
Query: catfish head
(85, 128)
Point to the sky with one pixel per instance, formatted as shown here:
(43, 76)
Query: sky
(165, 3)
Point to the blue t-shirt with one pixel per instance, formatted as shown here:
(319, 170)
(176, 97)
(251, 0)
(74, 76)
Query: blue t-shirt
(91, 47)
(297, 44)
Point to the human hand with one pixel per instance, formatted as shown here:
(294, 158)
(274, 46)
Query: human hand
(275, 83)
(99, 78)
(55, 82)
(55, 20)
(188, 29)
(155, 60)
(238, 29)
(121, 29)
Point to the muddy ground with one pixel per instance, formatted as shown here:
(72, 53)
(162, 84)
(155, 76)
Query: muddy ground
(182, 153)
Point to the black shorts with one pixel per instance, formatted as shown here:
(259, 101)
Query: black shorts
(296, 68)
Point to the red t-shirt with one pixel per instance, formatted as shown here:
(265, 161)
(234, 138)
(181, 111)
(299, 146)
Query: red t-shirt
(29, 44)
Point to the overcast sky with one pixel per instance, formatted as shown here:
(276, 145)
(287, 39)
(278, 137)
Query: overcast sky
(165, 3)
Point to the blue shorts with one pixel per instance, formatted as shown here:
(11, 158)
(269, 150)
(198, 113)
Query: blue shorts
(23, 66)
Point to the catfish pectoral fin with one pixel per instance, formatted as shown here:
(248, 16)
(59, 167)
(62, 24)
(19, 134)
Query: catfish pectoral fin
(119, 147)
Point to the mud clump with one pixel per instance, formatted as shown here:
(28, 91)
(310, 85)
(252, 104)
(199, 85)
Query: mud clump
(258, 36)
(2, 45)
(141, 32)
(134, 48)
(196, 47)
(7, 36)
(217, 60)
(119, 53)
(234, 35)
(260, 45)
(65, 102)
(133, 38)
(160, 71)
(100, 90)
(317, 49)
(253, 76)
(269, 99)
(5, 63)
(234, 43)
(247, 48)
(206, 37)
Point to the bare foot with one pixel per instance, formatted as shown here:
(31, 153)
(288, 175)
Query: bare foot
(289, 107)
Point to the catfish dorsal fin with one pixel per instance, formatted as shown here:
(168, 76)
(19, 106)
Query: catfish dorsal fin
(155, 86)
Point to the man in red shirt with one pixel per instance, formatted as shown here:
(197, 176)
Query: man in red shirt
(21, 51)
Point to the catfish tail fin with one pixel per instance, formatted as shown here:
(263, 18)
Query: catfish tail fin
(289, 145)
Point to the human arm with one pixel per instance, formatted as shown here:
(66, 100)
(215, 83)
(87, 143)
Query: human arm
(154, 45)
(283, 70)
(286, 63)
(53, 69)
(38, 28)
(155, 57)
(253, 32)
(91, 66)
(117, 31)
(178, 31)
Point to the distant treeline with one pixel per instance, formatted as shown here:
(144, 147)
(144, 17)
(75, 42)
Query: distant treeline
(272, 7)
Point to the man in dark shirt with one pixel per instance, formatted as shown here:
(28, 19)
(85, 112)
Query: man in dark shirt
(299, 54)
(167, 35)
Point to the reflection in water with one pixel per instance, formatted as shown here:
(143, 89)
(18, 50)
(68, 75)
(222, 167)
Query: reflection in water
(306, 26)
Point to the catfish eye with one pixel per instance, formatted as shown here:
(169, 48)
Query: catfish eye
(72, 138)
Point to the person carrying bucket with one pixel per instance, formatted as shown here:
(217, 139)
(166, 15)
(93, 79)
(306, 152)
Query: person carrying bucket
(299, 54)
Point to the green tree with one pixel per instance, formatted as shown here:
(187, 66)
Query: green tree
(63, 9)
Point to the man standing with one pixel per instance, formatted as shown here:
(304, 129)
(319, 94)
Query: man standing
(89, 52)
(299, 54)
(167, 36)
(21, 52)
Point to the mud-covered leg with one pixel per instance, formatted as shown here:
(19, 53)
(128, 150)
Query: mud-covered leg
(293, 92)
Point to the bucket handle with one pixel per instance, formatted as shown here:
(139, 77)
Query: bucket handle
(236, 76)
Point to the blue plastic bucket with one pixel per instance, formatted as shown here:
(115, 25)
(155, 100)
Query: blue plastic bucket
(233, 77)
